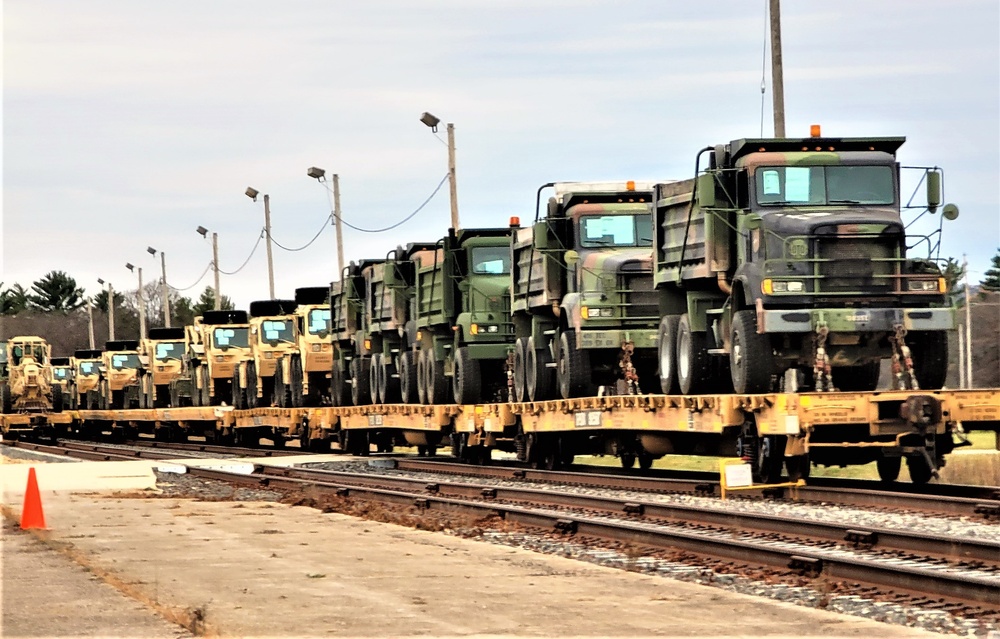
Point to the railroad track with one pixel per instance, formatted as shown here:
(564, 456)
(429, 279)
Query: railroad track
(956, 500)
(965, 572)
(141, 450)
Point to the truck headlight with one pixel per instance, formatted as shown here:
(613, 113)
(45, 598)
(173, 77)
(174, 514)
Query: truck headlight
(220, 358)
(595, 313)
(769, 287)
(317, 348)
(268, 355)
(925, 285)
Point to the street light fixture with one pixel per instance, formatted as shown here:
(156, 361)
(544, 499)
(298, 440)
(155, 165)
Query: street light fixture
(433, 121)
(320, 176)
(111, 309)
(252, 193)
(142, 301)
(202, 231)
(164, 290)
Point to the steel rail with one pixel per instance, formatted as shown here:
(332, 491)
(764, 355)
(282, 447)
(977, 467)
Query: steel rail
(988, 505)
(982, 591)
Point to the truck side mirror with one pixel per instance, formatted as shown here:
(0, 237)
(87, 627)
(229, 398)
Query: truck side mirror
(751, 222)
(571, 258)
(950, 211)
(933, 191)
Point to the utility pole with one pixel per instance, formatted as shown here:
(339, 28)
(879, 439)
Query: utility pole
(267, 230)
(166, 290)
(338, 226)
(111, 312)
(961, 356)
(215, 264)
(452, 179)
(968, 325)
(777, 74)
(90, 321)
(142, 308)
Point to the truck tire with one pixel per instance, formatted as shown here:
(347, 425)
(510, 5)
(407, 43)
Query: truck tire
(467, 380)
(206, 387)
(408, 378)
(375, 378)
(538, 380)
(360, 372)
(252, 400)
(280, 387)
(117, 400)
(751, 358)
(6, 402)
(694, 365)
(239, 396)
(57, 399)
(388, 380)
(667, 355)
(852, 379)
(929, 350)
(339, 387)
(520, 370)
(421, 358)
(573, 371)
(437, 383)
(296, 385)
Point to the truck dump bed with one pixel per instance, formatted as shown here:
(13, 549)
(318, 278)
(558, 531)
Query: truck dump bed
(693, 237)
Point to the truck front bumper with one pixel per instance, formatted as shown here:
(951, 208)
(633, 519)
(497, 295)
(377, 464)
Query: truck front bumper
(856, 320)
(614, 338)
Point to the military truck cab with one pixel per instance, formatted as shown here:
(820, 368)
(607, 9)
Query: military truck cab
(347, 307)
(86, 379)
(273, 334)
(119, 384)
(583, 304)
(162, 357)
(303, 376)
(792, 255)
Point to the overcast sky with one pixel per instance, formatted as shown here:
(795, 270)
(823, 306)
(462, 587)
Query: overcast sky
(129, 124)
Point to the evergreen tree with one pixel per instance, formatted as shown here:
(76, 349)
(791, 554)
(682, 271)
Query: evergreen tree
(991, 281)
(207, 302)
(55, 291)
(13, 300)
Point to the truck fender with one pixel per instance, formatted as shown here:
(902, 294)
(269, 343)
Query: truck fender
(571, 311)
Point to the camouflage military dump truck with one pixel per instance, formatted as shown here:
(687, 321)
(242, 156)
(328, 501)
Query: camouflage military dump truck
(162, 355)
(347, 308)
(583, 305)
(303, 376)
(382, 338)
(791, 255)
(86, 380)
(119, 384)
(29, 387)
(460, 326)
(215, 344)
(273, 335)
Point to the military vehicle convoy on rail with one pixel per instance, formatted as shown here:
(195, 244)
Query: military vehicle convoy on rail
(29, 385)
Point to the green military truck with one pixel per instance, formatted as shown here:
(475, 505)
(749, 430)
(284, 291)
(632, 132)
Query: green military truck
(785, 264)
(347, 307)
(382, 338)
(583, 305)
(460, 319)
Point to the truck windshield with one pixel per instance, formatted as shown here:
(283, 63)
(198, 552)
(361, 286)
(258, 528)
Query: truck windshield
(169, 350)
(616, 230)
(121, 361)
(231, 337)
(491, 260)
(60, 372)
(319, 320)
(824, 185)
(276, 331)
(88, 368)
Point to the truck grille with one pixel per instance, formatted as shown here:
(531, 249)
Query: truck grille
(856, 265)
(638, 296)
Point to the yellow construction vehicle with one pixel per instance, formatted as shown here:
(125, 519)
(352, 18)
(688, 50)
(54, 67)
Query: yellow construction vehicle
(29, 386)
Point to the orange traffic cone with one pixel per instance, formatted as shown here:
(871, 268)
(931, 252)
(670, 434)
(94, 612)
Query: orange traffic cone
(32, 515)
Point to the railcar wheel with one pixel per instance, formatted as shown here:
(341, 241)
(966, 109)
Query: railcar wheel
(667, 355)
(360, 373)
(520, 370)
(573, 367)
(296, 390)
(920, 470)
(751, 357)
(408, 378)
(857, 378)
(375, 378)
(888, 468)
(798, 467)
(645, 460)
(694, 368)
(467, 379)
(539, 380)
(627, 459)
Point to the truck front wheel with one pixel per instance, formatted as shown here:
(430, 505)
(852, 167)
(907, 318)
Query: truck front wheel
(929, 350)
(467, 382)
(408, 378)
(538, 376)
(694, 370)
(360, 371)
(573, 367)
(751, 358)
(520, 370)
